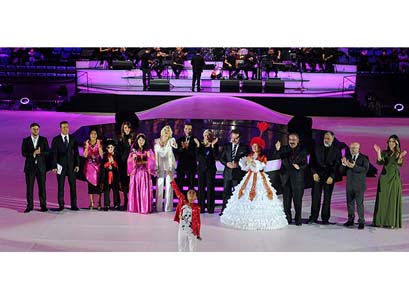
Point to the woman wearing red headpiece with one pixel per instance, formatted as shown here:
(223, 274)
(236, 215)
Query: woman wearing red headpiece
(254, 204)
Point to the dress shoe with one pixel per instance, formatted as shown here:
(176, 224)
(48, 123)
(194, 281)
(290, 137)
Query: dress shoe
(349, 224)
(44, 209)
(61, 208)
(311, 221)
(210, 212)
(298, 223)
(361, 226)
(116, 207)
(325, 222)
(28, 210)
(74, 208)
(106, 208)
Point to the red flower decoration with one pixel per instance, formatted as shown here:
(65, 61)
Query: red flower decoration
(262, 126)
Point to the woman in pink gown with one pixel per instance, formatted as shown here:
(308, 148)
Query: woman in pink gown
(141, 165)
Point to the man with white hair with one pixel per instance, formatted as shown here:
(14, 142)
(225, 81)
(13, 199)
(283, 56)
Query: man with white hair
(356, 166)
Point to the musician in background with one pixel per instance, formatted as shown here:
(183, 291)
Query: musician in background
(146, 62)
(273, 57)
(178, 61)
(230, 64)
(158, 61)
(250, 64)
(329, 58)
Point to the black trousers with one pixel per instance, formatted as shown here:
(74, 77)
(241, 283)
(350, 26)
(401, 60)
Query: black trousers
(146, 77)
(177, 70)
(196, 80)
(253, 72)
(355, 196)
(159, 69)
(316, 193)
(232, 72)
(180, 180)
(73, 188)
(107, 200)
(293, 192)
(206, 180)
(228, 185)
(30, 177)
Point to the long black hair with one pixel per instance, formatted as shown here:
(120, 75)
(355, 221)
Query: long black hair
(397, 148)
(136, 145)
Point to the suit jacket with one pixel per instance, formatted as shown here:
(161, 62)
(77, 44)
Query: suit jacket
(225, 157)
(356, 177)
(27, 150)
(325, 167)
(67, 157)
(288, 158)
(197, 63)
(187, 157)
(206, 157)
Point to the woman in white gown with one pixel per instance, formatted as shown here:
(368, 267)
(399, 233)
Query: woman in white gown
(254, 204)
(165, 162)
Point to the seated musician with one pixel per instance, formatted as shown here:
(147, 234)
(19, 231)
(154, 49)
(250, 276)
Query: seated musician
(229, 64)
(158, 61)
(178, 61)
(250, 64)
(272, 59)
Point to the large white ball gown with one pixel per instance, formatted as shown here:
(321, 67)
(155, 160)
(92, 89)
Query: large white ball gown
(254, 204)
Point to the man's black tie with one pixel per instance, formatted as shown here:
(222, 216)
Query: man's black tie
(65, 142)
(233, 153)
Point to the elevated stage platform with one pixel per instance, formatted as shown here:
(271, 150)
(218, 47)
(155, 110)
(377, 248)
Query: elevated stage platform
(130, 82)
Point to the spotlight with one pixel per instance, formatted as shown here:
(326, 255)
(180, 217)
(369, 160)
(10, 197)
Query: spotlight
(399, 107)
(24, 101)
(25, 104)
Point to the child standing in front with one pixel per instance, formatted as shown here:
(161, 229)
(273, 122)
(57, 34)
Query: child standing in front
(188, 216)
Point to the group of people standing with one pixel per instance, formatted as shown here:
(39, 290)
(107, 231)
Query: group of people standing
(128, 165)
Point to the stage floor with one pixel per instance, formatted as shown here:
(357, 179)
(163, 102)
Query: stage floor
(120, 231)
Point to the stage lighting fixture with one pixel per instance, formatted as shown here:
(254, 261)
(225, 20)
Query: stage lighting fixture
(24, 100)
(399, 107)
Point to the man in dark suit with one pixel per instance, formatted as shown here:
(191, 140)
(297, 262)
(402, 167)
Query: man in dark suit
(187, 163)
(207, 151)
(66, 161)
(293, 163)
(198, 64)
(355, 166)
(232, 174)
(35, 149)
(325, 161)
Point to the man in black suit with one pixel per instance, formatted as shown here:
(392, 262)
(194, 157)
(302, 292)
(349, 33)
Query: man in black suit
(356, 166)
(66, 161)
(187, 163)
(232, 174)
(325, 161)
(35, 149)
(207, 151)
(198, 64)
(293, 163)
